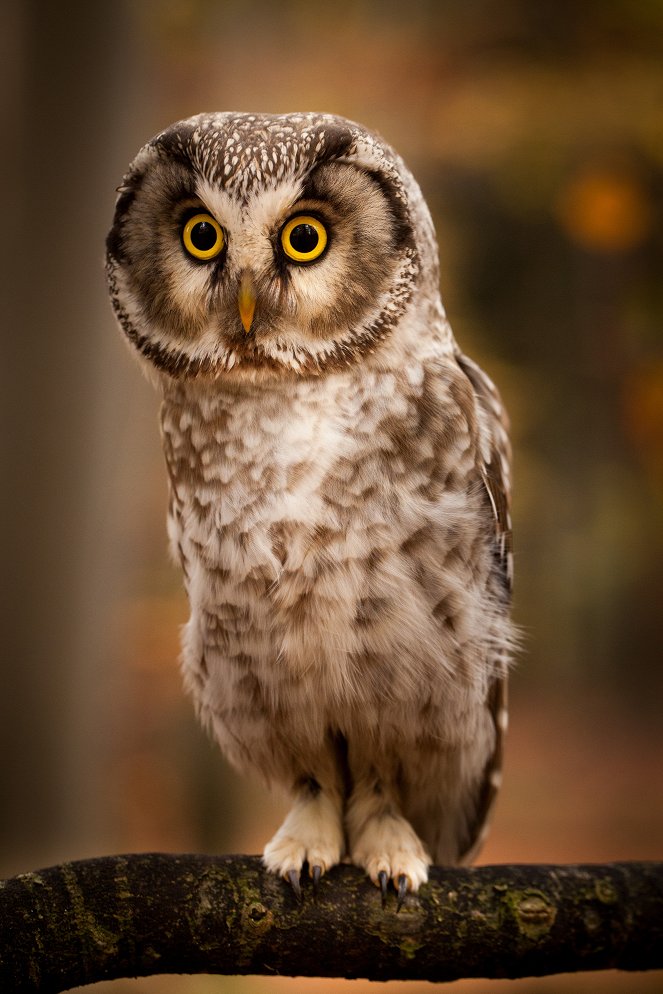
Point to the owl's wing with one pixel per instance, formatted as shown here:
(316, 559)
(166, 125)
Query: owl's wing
(175, 505)
(495, 458)
(495, 461)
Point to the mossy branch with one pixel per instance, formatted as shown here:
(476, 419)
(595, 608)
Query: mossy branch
(145, 914)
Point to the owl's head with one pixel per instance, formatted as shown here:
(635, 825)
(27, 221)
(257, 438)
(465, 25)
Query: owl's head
(260, 244)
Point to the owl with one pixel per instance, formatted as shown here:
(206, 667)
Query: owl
(339, 484)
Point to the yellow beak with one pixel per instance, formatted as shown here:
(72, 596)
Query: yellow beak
(246, 300)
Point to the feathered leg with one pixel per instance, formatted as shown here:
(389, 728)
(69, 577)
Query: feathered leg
(313, 831)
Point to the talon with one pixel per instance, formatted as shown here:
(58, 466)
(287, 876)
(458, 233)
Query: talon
(316, 873)
(384, 881)
(402, 891)
(293, 878)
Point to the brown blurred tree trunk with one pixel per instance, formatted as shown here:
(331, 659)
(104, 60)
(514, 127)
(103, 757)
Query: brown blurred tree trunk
(66, 81)
(140, 915)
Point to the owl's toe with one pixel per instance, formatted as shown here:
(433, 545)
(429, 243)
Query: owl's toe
(312, 833)
(389, 849)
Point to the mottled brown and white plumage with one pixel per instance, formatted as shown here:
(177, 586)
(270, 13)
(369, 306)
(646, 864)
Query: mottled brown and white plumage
(339, 486)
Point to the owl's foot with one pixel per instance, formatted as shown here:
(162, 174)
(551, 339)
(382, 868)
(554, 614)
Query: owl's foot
(388, 848)
(312, 833)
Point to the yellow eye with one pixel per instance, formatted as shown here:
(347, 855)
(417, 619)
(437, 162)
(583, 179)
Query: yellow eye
(202, 237)
(304, 238)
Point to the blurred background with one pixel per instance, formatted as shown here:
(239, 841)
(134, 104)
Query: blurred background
(536, 132)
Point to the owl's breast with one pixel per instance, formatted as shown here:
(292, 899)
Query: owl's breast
(329, 562)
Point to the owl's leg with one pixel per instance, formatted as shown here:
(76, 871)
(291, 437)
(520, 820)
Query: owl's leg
(382, 841)
(312, 832)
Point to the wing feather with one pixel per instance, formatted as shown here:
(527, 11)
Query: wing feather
(494, 469)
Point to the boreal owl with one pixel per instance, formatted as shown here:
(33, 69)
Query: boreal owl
(339, 484)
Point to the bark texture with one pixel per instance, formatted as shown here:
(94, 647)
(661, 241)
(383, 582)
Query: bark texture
(138, 915)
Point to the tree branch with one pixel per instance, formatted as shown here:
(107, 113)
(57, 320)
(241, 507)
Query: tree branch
(138, 915)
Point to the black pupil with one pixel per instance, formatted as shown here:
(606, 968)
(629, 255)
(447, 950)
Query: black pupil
(203, 236)
(304, 238)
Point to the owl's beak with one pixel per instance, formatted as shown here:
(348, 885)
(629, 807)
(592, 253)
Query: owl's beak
(246, 300)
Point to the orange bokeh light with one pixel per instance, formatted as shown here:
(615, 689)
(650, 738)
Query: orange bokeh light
(604, 211)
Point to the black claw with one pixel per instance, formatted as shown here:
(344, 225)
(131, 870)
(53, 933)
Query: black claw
(316, 873)
(384, 882)
(402, 891)
(293, 878)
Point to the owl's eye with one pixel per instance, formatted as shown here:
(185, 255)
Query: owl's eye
(304, 238)
(202, 237)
